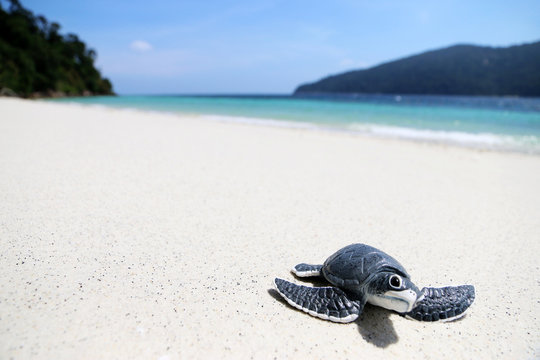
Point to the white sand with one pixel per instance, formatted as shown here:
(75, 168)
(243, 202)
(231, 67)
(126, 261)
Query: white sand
(138, 235)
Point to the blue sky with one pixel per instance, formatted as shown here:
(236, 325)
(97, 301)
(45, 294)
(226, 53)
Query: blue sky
(205, 46)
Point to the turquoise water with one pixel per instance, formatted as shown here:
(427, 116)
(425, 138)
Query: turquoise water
(482, 122)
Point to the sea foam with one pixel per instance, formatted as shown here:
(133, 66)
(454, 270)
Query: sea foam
(484, 141)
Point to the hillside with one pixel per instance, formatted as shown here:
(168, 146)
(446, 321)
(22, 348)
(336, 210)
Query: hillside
(456, 70)
(36, 60)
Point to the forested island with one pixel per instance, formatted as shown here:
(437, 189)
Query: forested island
(456, 70)
(37, 61)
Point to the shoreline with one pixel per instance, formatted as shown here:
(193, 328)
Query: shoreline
(475, 141)
(132, 234)
(436, 138)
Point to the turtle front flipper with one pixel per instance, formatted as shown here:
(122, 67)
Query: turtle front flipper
(307, 270)
(328, 303)
(444, 304)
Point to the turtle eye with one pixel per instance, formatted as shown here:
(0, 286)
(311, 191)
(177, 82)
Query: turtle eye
(395, 281)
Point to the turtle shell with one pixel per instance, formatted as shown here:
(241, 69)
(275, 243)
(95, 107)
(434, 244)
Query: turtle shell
(353, 266)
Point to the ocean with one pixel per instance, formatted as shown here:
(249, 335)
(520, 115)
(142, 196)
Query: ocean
(493, 123)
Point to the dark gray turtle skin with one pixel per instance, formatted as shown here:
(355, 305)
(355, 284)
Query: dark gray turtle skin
(361, 274)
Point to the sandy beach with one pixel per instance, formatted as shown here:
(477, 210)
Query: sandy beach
(137, 235)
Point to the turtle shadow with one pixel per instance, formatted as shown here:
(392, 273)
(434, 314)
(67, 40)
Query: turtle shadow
(273, 293)
(375, 326)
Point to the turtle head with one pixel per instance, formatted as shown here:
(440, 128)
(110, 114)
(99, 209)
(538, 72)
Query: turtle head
(394, 291)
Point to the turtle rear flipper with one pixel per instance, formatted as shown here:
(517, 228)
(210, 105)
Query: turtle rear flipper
(443, 304)
(307, 270)
(328, 303)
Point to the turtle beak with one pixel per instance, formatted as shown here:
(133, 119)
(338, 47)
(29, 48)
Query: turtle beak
(419, 295)
(408, 299)
(401, 301)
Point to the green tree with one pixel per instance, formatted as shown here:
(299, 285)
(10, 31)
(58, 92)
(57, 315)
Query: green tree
(35, 59)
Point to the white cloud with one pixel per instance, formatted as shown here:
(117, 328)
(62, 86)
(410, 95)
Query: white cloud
(424, 16)
(140, 45)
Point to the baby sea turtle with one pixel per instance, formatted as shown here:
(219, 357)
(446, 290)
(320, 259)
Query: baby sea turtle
(363, 274)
